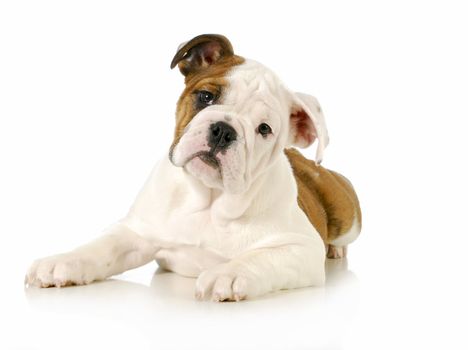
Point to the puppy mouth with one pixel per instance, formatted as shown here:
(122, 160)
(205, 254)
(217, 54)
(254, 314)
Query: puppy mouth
(208, 158)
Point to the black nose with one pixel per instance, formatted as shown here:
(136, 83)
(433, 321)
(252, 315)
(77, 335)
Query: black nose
(221, 136)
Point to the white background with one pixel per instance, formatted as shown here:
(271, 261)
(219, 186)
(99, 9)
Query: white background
(87, 105)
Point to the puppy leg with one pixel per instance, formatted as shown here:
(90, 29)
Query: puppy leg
(187, 260)
(115, 252)
(335, 252)
(263, 270)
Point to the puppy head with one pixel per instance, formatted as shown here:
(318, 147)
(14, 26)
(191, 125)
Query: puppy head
(235, 116)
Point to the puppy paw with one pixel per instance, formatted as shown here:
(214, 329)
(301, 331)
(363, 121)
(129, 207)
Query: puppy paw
(336, 252)
(60, 271)
(223, 283)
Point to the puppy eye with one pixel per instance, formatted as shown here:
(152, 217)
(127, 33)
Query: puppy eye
(205, 98)
(264, 129)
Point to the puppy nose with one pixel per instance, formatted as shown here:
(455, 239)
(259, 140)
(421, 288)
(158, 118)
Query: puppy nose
(221, 135)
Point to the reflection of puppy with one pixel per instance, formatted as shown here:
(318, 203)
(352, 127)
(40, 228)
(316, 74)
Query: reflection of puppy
(232, 204)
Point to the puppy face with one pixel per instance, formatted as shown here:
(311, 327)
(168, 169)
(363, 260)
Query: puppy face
(234, 117)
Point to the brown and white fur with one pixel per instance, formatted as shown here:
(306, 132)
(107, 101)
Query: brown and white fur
(243, 212)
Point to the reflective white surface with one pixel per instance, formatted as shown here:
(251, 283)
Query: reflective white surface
(391, 305)
(164, 314)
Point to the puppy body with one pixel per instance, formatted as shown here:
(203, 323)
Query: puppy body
(198, 228)
(224, 206)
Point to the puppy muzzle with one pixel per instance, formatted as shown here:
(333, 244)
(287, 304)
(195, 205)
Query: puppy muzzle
(209, 137)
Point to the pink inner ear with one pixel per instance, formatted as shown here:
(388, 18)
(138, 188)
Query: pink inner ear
(305, 133)
(210, 52)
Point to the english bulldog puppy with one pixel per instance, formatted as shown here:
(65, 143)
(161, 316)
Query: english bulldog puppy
(233, 204)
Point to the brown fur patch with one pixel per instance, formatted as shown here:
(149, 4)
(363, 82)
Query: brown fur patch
(210, 79)
(326, 197)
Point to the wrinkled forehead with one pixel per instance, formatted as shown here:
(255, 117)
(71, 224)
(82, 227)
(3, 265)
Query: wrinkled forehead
(251, 83)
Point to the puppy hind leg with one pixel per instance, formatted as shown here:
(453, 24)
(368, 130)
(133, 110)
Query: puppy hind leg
(334, 252)
(337, 248)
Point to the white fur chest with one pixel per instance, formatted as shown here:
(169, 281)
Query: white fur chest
(174, 210)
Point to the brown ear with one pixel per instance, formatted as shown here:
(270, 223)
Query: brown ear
(307, 124)
(201, 52)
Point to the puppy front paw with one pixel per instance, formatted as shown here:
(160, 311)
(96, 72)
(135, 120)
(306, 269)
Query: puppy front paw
(60, 271)
(224, 283)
